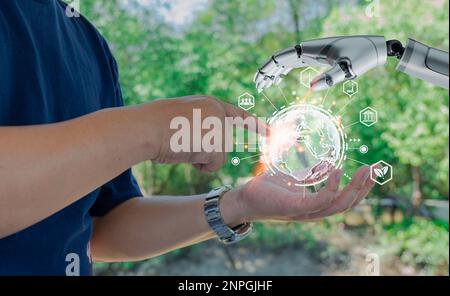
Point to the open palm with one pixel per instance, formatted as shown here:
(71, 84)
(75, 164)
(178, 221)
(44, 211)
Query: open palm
(269, 197)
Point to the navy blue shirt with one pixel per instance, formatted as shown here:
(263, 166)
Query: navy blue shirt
(53, 68)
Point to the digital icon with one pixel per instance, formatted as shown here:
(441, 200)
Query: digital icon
(368, 116)
(363, 149)
(350, 88)
(307, 75)
(235, 161)
(246, 101)
(381, 172)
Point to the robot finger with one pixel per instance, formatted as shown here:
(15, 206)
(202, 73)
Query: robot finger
(280, 77)
(289, 58)
(328, 78)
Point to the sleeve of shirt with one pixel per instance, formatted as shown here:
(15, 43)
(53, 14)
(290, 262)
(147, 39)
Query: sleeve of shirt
(124, 186)
(115, 192)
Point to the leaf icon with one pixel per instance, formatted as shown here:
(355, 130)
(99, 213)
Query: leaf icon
(379, 172)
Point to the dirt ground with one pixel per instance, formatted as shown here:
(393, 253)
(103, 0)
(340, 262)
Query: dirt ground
(246, 262)
(215, 260)
(212, 258)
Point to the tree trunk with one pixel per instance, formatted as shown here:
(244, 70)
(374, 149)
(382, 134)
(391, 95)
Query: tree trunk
(416, 197)
(294, 6)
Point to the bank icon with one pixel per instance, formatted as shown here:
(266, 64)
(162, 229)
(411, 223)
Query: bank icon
(368, 116)
(246, 101)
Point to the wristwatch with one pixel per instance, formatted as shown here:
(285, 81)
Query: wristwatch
(225, 234)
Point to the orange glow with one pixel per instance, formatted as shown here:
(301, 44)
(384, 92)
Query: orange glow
(258, 168)
(308, 94)
(280, 141)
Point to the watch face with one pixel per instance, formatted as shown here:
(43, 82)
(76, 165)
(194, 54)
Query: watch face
(217, 192)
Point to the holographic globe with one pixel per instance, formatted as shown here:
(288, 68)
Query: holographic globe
(305, 143)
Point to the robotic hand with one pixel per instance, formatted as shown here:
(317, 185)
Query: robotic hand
(352, 56)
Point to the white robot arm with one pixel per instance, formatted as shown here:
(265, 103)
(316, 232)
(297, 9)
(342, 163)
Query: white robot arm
(352, 56)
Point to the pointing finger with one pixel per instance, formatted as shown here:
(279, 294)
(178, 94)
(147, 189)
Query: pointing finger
(255, 124)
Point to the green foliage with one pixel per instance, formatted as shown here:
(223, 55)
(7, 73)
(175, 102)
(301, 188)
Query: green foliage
(420, 243)
(413, 116)
(310, 237)
(219, 51)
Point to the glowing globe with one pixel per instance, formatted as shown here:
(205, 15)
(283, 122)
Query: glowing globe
(305, 143)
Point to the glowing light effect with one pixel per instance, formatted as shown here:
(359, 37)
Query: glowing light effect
(306, 142)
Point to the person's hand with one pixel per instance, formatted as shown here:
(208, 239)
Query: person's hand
(163, 112)
(269, 198)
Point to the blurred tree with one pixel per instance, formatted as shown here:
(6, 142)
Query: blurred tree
(218, 52)
(412, 133)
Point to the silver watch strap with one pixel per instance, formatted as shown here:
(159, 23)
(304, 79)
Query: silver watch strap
(213, 216)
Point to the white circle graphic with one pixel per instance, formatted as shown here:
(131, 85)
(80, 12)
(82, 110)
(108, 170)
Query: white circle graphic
(235, 161)
(363, 149)
(306, 142)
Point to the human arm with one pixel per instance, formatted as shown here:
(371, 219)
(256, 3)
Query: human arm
(44, 168)
(147, 227)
